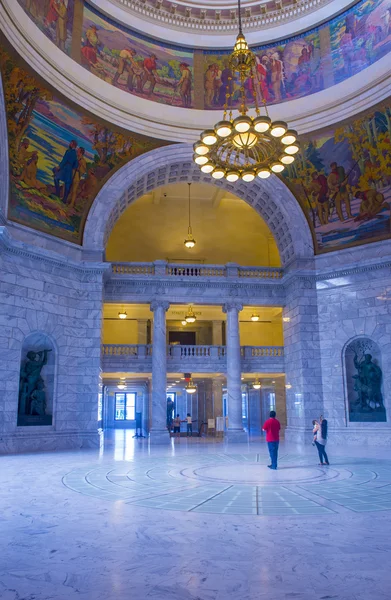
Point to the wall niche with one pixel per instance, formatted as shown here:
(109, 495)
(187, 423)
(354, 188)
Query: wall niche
(364, 381)
(36, 381)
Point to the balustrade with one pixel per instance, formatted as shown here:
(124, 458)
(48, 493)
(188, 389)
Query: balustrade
(161, 268)
(133, 268)
(140, 351)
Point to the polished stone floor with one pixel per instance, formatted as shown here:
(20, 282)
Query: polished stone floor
(195, 521)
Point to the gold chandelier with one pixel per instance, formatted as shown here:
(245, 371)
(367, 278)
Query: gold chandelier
(191, 387)
(190, 316)
(247, 146)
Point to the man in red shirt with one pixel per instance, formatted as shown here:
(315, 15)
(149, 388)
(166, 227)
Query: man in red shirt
(150, 73)
(272, 427)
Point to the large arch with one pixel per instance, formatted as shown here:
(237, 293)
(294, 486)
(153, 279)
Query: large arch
(271, 198)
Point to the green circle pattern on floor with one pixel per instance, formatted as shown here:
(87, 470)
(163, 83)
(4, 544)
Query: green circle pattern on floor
(240, 484)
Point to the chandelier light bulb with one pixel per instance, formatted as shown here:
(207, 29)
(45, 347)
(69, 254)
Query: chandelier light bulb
(248, 175)
(289, 138)
(278, 128)
(121, 386)
(208, 167)
(218, 173)
(122, 314)
(232, 176)
(224, 129)
(209, 137)
(190, 316)
(293, 149)
(191, 387)
(190, 241)
(245, 140)
(263, 173)
(277, 167)
(201, 160)
(262, 124)
(201, 149)
(254, 317)
(242, 123)
(184, 322)
(287, 159)
(257, 385)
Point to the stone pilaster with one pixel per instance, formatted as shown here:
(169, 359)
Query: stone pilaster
(235, 431)
(159, 433)
(304, 393)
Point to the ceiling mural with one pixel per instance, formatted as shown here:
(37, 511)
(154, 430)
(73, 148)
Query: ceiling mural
(289, 69)
(342, 179)
(59, 155)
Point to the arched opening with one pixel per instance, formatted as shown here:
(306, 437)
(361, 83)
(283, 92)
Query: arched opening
(364, 381)
(226, 229)
(271, 199)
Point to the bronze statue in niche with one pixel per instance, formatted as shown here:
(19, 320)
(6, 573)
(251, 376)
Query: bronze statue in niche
(32, 409)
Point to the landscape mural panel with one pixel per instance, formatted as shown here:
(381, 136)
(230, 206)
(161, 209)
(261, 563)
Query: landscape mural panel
(165, 73)
(134, 63)
(54, 18)
(342, 179)
(59, 155)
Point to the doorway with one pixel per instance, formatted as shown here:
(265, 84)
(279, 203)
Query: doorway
(184, 338)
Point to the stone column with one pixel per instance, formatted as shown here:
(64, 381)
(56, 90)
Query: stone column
(235, 431)
(159, 433)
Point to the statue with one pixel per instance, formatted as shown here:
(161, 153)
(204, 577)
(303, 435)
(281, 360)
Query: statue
(31, 387)
(368, 383)
(170, 408)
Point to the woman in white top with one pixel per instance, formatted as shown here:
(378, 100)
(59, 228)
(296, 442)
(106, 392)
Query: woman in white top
(320, 439)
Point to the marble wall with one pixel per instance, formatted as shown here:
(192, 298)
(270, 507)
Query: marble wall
(42, 293)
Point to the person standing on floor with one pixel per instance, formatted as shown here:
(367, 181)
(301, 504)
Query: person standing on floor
(272, 427)
(320, 439)
(177, 427)
(189, 425)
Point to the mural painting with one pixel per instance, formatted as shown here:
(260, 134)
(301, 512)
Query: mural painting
(136, 64)
(54, 18)
(59, 156)
(359, 37)
(286, 70)
(364, 381)
(342, 179)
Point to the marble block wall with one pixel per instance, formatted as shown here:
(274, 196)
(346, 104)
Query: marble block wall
(41, 292)
(351, 305)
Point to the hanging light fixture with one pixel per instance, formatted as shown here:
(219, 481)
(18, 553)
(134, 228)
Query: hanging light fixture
(121, 385)
(191, 387)
(254, 318)
(184, 322)
(189, 241)
(122, 314)
(257, 384)
(247, 146)
(190, 316)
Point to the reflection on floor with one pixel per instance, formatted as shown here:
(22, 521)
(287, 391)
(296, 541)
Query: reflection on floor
(198, 520)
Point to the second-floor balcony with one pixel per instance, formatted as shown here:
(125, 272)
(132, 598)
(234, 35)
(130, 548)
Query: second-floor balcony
(137, 358)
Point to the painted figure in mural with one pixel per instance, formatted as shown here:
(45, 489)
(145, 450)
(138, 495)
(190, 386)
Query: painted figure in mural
(386, 17)
(209, 84)
(91, 47)
(337, 183)
(65, 171)
(150, 74)
(276, 76)
(29, 173)
(319, 190)
(368, 383)
(24, 153)
(347, 49)
(60, 7)
(261, 74)
(79, 174)
(30, 377)
(372, 202)
(38, 400)
(217, 85)
(184, 84)
(128, 64)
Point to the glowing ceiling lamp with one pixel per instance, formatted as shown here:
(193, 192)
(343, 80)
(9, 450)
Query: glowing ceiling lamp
(191, 387)
(247, 146)
(122, 314)
(190, 316)
(257, 384)
(254, 318)
(189, 241)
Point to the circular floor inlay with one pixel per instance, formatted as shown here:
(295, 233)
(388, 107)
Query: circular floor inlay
(240, 484)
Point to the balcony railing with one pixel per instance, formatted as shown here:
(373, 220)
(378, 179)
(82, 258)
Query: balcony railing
(138, 357)
(183, 271)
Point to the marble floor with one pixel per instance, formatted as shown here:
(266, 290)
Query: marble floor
(199, 520)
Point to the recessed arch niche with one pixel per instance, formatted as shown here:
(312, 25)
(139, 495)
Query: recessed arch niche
(364, 381)
(37, 380)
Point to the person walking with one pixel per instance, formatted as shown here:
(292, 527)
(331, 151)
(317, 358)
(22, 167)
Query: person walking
(320, 439)
(272, 427)
(177, 427)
